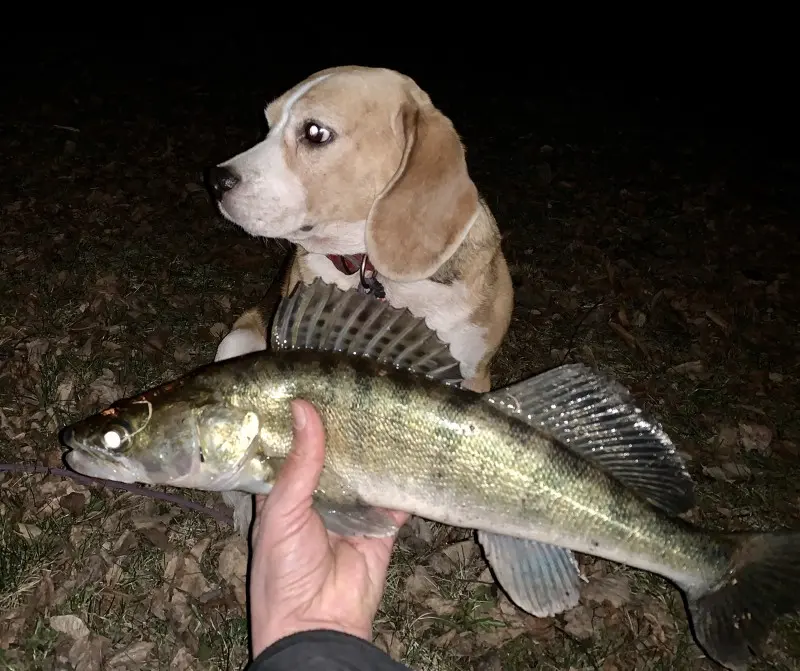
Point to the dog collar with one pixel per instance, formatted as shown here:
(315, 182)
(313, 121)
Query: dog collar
(349, 264)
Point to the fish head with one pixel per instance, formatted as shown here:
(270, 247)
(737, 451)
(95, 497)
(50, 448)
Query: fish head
(209, 446)
(135, 440)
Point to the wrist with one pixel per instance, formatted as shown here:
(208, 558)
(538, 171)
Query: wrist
(272, 633)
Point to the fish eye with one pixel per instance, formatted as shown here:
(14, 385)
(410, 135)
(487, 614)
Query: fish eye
(112, 439)
(116, 435)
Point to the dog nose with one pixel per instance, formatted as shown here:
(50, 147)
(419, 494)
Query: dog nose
(221, 179)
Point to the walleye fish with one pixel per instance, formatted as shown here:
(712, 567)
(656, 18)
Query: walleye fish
(561, 462)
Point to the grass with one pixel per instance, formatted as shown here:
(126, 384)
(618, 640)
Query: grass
(114, 267)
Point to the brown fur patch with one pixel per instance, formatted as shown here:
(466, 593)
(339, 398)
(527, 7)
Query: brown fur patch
(431, 199)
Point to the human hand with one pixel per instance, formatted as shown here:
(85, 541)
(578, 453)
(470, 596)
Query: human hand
(302, 576)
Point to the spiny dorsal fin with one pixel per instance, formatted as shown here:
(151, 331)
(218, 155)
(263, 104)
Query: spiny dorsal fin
(596, 418)
(322, 317)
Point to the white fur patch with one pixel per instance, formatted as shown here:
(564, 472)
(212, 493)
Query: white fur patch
(447, 309)
(239, 342)
(269, 200)
(318, 265)
(333, 237)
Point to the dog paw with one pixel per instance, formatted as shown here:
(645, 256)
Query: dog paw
(239, 342)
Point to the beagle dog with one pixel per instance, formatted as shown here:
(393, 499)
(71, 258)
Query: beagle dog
(369, 181)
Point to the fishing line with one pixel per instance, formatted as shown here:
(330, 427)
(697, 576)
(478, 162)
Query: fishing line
(147, 421)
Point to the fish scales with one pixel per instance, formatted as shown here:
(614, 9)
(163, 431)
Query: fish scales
(401, 443)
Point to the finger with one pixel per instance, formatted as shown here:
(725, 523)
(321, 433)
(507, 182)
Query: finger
(261, 501)
(300, 473)
(376, 553)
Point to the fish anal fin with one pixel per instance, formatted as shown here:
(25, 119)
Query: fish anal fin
(541, 579)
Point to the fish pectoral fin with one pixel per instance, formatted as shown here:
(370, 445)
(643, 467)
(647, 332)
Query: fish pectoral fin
(597, 418)
(324, 318)
(541, 579)
(355, 519)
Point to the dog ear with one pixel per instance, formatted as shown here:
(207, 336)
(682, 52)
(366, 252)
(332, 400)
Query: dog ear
(425, 211)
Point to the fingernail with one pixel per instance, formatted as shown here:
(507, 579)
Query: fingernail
(298, 416)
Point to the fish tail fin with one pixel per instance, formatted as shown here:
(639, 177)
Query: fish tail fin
(732, 616)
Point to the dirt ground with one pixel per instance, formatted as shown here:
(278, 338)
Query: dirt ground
(662, 251)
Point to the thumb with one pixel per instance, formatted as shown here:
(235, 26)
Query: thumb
(300, 473)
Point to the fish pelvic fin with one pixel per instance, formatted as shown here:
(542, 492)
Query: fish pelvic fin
(597, 418)
(355, 519)
(732, 617)
(322, 317)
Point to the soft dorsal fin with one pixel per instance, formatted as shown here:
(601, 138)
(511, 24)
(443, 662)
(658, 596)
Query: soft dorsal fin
(322, 317)
(596, 418)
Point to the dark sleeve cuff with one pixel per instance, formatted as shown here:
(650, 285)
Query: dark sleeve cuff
(324, 650)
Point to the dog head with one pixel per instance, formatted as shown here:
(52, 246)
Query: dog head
(356, 160)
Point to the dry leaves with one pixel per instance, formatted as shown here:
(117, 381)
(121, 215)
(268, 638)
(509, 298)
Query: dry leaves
(183, 661)
(218, 330)
(29, 532)
(419, 584)
(86, 653)
(613, 588)
(132, 656)
(88, 649)
(453, 557)
(104, 390)
(61, 494)
(755, 438)
(730, 442)
(12, 622)
(186, 586)
(726, 440)
(689, 368)
(728, 472)
(71, 625)
(390, 643)
(232, 567)
(185, 575)
(578, 622)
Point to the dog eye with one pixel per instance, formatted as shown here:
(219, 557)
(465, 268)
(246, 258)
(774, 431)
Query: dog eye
(316, 133)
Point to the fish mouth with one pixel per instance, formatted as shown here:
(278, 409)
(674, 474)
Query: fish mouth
(96, 463)
(96, 466)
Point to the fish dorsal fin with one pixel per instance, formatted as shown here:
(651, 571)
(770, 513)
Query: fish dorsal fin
(322, 317)
(597, 418)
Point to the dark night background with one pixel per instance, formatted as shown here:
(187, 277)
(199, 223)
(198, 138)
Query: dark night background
(731, 105)
(648, 197)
